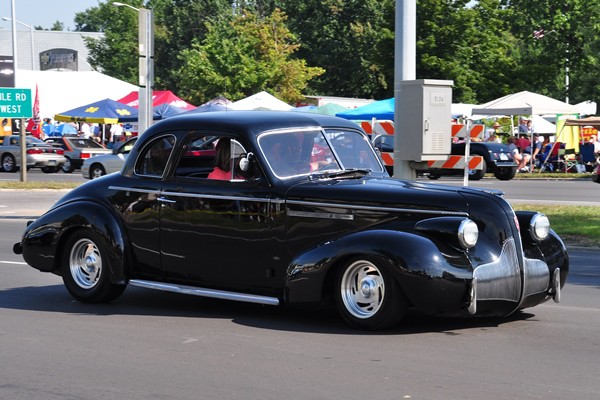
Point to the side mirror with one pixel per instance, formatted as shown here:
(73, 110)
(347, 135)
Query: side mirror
(245, 162)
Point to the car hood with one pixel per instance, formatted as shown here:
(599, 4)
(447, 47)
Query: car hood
(384, 192)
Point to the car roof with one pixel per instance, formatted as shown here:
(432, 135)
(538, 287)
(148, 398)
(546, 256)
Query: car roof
(250, 122)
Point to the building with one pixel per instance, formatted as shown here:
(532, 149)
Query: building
(48, 50)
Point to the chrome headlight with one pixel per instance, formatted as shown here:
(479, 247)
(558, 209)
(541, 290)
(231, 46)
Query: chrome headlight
(468, 233)
(539, 227)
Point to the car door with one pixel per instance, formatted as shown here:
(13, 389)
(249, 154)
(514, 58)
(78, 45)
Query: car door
(218, 233)
(137, 197)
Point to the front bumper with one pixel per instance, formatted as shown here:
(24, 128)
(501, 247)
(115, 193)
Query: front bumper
(502, 281)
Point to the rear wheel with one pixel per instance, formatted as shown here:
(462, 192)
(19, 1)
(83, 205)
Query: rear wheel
(67, 167)
(85, 268)
(367, 296)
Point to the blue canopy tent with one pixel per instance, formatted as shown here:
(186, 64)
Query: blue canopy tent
(329, 109)
(208, 107)
(383, 110)
(63, 129)
(166, 110)
(105, 111)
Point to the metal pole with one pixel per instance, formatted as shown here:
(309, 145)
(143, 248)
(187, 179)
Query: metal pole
(405, 50)
(146, 64)
(23, 143)
(14, 39)
(146, 68)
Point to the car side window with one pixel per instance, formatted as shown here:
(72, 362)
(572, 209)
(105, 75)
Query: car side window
(212, 157)
(154, 158)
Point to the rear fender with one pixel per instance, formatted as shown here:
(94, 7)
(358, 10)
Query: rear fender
(44, 238)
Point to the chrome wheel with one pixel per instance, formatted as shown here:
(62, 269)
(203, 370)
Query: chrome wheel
(8, 163)
(96, 171)
(362, 289)
(67, 167)
(85, 263)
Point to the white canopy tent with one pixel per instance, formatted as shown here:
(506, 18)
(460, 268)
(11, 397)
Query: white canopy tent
(525, 103)
(261, 101)
(542, 126)
(65, 90)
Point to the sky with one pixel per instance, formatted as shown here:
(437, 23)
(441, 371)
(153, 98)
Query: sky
(44, 12)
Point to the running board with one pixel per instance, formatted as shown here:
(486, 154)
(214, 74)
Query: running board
(203, 292)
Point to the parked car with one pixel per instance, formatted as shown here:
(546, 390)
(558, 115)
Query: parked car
(289, 227)
(37, 154)
(76, 150)
(497, 159)
(596, 174)
(103, 164)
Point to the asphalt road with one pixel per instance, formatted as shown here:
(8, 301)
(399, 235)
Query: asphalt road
(153, 345)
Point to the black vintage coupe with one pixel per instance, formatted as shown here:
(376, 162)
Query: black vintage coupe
(300, 211)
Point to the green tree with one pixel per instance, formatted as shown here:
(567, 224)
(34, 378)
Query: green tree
(470, 46)
(178, 23)
(352, 40)
(567, 40)
(242, 55)
(116, 54)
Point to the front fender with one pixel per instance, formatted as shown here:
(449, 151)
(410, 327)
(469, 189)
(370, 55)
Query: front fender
(42, 240)
(430, 280)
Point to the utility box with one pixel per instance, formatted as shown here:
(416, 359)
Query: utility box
(423, 119)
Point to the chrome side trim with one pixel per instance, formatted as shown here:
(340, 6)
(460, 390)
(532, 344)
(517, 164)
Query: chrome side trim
(501, 279)
(375, 208)
(203, 292)
(197, 195)
(137, 190)
(321, 215)
(215, 196)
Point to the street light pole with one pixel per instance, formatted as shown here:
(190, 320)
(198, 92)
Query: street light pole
(30, 36)
(146, 64)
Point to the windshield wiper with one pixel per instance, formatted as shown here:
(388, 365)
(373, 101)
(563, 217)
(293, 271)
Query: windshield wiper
(350, 173)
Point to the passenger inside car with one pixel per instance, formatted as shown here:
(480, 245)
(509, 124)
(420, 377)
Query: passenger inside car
(222, 169)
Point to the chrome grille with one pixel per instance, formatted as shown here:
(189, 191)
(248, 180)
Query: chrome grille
(501, 279)
(537, 276)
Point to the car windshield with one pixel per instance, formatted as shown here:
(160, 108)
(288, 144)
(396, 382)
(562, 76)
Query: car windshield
(293, 153)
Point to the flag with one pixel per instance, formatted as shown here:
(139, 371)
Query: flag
(34, 125)
(538, 34)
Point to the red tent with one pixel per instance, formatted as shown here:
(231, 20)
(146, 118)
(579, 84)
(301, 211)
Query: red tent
(158, 97)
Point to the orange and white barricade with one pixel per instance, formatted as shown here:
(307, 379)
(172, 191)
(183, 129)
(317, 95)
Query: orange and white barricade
(459, 131)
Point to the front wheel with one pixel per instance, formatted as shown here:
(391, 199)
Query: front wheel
(96, 171)
(367, 296)
(478, 174)
(85, 268)
(50, 170)
(9, 163)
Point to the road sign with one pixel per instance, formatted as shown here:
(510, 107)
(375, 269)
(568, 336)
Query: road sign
(15, 103)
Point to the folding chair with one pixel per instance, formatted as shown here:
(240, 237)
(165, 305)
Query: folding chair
(549, 157)
(567, 160)
(586, 156)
